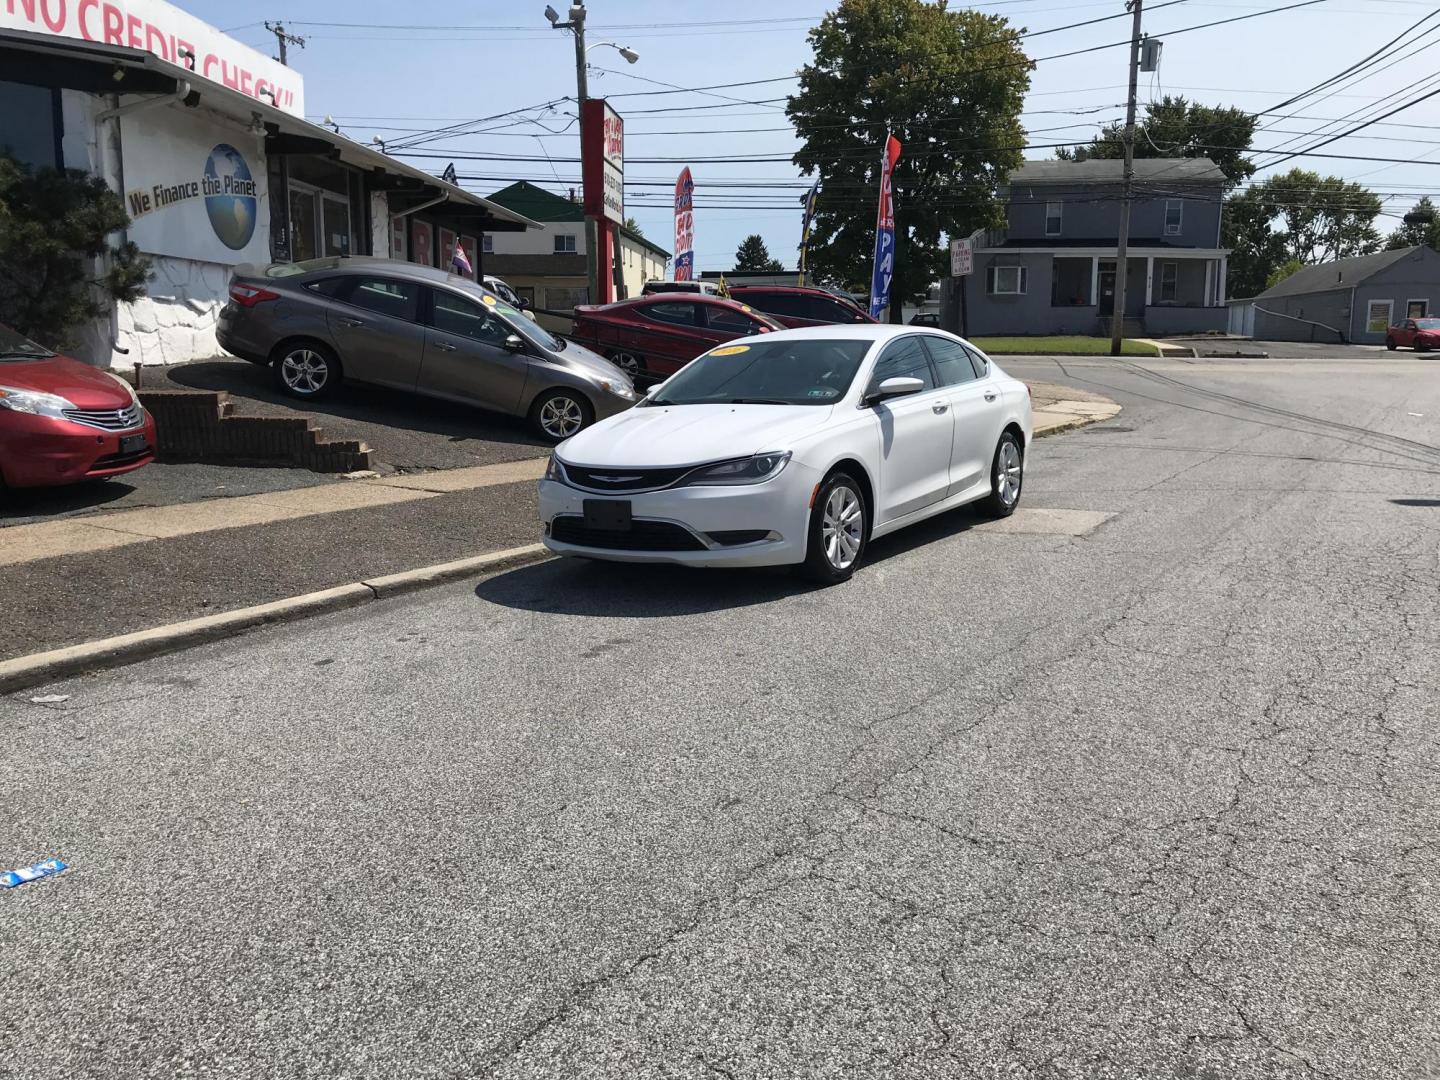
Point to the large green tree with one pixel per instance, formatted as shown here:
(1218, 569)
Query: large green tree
(1174, 127)
(1417, 233)
(1298, 215)
(53, 227)
(753, 257)
(950, 86)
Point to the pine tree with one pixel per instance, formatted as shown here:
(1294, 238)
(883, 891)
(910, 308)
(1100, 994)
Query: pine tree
(753, 257)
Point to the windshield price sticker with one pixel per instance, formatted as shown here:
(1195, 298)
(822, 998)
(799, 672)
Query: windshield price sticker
(731, 350)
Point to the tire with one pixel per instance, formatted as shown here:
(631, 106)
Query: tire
(1421, 348)
(558, 414)
(306, 369)
(1390, 343)
(1007, 476)
(838, 532)
(630, 363)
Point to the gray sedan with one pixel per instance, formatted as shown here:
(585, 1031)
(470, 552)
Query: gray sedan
(416, 328)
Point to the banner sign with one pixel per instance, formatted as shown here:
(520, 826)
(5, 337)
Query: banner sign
(171, 34)
(194, 189)
(685, 226)
(884, 272)
(602, 160)
(808, 201)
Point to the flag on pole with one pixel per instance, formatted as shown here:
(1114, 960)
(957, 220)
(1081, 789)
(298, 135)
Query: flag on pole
(883, 275)
(460, 262)
(808, 201)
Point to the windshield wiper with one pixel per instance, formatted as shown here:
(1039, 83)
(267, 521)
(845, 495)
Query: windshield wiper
(31, 354)
(758, 401)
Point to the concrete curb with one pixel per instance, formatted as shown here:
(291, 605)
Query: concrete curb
(26, 671)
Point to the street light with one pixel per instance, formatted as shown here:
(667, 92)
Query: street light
(629, 54)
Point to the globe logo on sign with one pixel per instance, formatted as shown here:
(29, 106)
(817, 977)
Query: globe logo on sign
(230, 196)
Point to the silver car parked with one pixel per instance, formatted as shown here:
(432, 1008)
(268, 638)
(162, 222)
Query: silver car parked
(416, 328)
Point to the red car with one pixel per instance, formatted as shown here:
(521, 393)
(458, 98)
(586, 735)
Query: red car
(797, 306)
(658, 335)
(62, 421)
(1419, 334)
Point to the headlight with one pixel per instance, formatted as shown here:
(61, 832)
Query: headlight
(750, 470)
(554, 470)
(619, 389)
(128, 388)
(34, 402)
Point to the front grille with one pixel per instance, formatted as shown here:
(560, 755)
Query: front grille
(108, 419)
(119, 461)
(641, 536)
(731, 537)
(618, 480)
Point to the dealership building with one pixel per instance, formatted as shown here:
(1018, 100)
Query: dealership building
(205, 140)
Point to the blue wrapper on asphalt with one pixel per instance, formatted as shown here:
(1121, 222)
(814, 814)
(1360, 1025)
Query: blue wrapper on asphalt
(11, 878)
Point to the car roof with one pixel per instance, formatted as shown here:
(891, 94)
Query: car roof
(802, 289)
(376, 264)
(858, 331)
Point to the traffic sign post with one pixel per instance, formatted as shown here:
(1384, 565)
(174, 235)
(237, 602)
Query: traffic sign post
(962, 265)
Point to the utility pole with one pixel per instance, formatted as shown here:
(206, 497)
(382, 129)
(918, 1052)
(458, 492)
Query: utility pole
(278, 29)
(576, 25)
(1117, 316)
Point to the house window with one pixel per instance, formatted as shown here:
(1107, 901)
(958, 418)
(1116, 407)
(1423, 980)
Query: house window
(487, 244)
(1005, 280)
(1169, 278)
(1174, 208)
(1053, 214)
(564, 243)
(1417, 309)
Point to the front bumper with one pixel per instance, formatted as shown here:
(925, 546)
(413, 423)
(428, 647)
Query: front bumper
(779, 509)
(40, 451)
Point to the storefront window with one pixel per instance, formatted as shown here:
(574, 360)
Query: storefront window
(30, 132)
(337, 226)
(303, 220)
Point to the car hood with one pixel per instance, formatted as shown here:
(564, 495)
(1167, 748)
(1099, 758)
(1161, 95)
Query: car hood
(589, 363)
(86, 386)
(670, 435)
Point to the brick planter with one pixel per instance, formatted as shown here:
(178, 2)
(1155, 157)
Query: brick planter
(198, 425)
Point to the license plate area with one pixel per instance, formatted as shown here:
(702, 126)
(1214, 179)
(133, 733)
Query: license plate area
(132, 444)
(608, 515)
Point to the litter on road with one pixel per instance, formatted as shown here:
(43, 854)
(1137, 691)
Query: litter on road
(49, 699)
(12, 878)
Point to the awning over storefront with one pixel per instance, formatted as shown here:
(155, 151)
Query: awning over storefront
(66, 63)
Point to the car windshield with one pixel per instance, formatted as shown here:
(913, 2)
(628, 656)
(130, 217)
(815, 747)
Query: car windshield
(534, 332)
(798, 371)
(1427, 324)
(14, 346)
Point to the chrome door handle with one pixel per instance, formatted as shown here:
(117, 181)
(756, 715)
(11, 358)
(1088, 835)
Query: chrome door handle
(352, 322)
(444, 346)
(938, 409)
(989, 395)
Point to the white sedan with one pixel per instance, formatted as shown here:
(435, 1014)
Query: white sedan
(798, 447)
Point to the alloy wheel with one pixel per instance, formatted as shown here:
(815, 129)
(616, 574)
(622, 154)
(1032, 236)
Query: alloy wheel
(305, 371)
(561, 417)
(1008, 470)
(842, 528)
(626, 362)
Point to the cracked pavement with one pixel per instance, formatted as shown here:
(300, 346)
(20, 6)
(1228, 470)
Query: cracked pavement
(1158, 800)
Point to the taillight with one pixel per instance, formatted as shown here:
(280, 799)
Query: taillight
(250, 295)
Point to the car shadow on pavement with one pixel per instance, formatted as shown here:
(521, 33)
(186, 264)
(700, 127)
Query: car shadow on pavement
(254, 389)
(1416, 502)
(656, 590)
(22, 504)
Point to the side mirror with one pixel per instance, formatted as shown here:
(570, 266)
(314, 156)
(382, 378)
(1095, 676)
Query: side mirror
(523, 304)
(899, 386)
(515, 343)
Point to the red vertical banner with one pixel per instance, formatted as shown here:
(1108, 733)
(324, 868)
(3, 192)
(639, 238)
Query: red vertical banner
(884, 272)
(685, 226)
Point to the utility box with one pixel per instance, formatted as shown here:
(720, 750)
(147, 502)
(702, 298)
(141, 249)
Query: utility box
(1150, 54)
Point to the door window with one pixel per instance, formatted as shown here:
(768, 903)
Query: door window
(386, 296)
(456, 315)
(302, 224)
(952, 362)
(904, 358)
(731, 322)
(337, 226)
(680, 314)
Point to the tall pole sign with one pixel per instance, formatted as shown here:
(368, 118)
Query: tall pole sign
(884, 272)
(602, 171)
(685, 226)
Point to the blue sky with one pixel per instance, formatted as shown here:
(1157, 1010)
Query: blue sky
(453, 62)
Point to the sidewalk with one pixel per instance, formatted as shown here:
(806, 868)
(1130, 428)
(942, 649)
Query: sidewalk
(115, 571)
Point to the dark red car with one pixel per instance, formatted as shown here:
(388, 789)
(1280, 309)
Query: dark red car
(62, 421)
(658, 335)
(797, 306)
(1420, 334)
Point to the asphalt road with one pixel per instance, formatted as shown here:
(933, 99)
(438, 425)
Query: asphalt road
(1155, 800)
